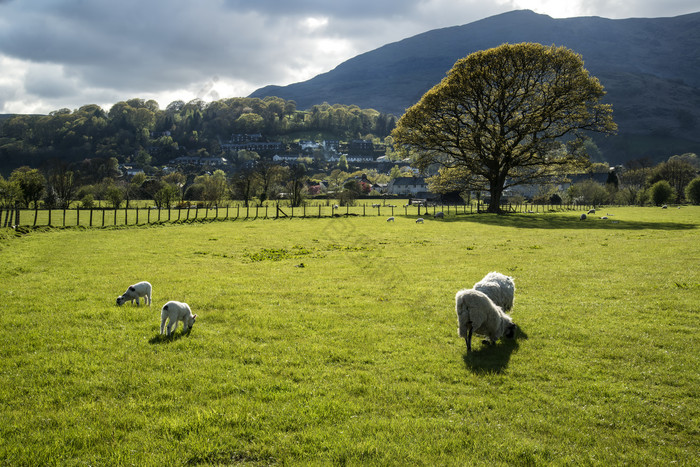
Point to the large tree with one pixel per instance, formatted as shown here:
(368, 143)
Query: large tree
(511, 115)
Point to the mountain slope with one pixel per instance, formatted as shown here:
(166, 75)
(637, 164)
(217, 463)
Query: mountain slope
(649, 67)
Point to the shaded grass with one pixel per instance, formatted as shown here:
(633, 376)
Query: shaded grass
(353, 358)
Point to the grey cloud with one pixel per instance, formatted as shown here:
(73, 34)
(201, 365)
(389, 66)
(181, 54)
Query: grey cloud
(132, 48)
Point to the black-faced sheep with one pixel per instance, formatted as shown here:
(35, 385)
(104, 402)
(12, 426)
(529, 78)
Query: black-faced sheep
(135, 292)
(477, 313)
(500, 289)
(172, 312)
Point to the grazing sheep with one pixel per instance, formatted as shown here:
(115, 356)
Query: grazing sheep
(583, 217)
(499, 288)
(390, 219)
(173, 312)
(592, 211)
(135, 292)
(419, 220)
(477, 313)
(439, 215)
(665, 206)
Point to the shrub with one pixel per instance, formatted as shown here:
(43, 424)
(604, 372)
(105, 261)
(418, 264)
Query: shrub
(692, 191)
(87, 202)
(661, 192)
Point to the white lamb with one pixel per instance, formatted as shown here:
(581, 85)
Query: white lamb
(477, 313)
(419, 220)
(390, 219)
(500, 289)
(173, 312)
(135, 292)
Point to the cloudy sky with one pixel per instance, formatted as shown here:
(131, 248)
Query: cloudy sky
(67, 53)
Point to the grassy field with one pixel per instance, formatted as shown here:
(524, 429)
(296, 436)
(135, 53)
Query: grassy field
(334, 341)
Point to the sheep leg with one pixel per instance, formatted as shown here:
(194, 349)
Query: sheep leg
(469, 340)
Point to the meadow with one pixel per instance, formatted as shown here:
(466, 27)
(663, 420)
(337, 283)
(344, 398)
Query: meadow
(334, 341)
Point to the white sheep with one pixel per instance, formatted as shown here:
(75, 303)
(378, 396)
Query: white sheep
(419, 220)
(477, 313)
(439, 215)
(390, 219)
(499, 288)
(172, 312)
(592, 211)
(135, 292)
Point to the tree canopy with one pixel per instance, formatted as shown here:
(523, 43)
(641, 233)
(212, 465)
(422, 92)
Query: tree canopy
(511, 115)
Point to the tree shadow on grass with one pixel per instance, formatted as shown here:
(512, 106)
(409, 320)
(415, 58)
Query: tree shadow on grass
(545, 221)
(163, 339)
(492, 359)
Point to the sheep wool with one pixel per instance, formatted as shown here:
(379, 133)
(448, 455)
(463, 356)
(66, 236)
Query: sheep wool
(499, 288)
(173, 312)
(135, 292)
(477, 313)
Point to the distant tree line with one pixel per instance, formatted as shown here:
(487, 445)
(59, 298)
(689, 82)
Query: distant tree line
(137, 131)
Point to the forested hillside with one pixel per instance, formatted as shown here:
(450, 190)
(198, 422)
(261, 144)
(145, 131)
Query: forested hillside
(138, 131)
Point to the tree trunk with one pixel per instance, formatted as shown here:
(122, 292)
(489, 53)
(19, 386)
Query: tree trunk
(495, 202)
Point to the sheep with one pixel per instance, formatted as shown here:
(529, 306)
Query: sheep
(439, 215)
(135, 292)
(592, 211)
(477, 313)
(419, 220)
(390, 219)
(499, 288)
(173, 312)
(582, 218)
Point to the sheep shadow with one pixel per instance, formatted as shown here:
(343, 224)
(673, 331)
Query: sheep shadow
(163, 339)
(493, 359)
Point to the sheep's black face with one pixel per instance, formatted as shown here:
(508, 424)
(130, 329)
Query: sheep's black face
(119, 300)
(510, 331)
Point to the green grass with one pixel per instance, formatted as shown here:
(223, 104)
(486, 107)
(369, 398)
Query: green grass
(334, 341)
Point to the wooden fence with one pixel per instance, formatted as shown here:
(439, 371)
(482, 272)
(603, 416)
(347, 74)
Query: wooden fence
(105, 217)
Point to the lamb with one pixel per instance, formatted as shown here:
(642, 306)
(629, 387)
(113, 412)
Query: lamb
(477, 313)
(499, 288)
(439, 215)
(592, 211)
(173, 312)
(390, 219)
(419, 220)
(135, 292)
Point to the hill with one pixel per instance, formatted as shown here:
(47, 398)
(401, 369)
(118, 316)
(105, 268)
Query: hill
(649, 67)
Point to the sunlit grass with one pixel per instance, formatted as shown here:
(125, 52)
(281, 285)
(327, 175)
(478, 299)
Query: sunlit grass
(335, 341)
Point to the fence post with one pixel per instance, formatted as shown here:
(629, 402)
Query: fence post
(90, 216)
(36, 214)
(77, 215)
(159, 209)
(103, 217)
(126, 215)
(49, 224)
(196, 211)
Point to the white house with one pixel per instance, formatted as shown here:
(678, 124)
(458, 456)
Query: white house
(407, 186)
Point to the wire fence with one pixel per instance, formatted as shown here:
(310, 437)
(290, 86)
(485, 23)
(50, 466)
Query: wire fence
(110, 217)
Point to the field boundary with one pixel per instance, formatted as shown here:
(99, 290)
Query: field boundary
(123, 217)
